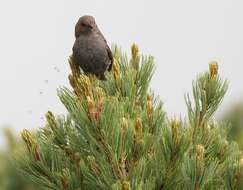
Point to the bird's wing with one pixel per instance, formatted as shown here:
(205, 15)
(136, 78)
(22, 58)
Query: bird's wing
(107, 49)
(110, 56)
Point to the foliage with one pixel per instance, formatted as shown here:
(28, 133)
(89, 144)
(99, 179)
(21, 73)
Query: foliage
(10, 177)
(234, 116)
(116, 135)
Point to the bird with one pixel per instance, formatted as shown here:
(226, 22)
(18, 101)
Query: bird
(90, 50)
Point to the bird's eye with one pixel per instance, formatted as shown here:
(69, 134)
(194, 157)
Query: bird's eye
(83, 24)
(86, 25)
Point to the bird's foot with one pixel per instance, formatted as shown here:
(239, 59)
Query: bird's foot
(101, 76)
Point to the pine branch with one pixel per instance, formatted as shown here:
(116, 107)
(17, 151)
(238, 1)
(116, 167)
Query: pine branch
(116, 136)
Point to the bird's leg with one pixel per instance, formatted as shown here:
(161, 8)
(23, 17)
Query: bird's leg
(100, 76)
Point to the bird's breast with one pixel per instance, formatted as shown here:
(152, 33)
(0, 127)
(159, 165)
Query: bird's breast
(90, 53)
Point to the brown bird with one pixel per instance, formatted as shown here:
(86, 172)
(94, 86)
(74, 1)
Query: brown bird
(90, 49)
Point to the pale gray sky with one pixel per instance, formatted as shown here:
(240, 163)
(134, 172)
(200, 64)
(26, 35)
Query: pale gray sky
(36, 38)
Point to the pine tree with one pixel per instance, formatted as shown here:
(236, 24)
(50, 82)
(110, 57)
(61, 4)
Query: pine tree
(117, 136)
(234, 116)
(10, 177)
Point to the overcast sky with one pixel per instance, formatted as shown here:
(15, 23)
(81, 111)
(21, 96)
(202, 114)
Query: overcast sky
(36, 38)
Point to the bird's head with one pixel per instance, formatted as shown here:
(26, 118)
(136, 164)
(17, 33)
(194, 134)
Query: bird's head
(85, 25)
